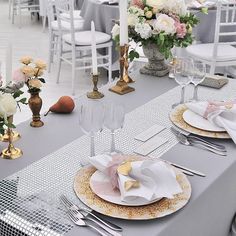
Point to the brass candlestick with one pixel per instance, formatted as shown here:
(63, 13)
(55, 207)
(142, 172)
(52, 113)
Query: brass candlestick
(121, 86)
(15, 136)
(95, 94)
(127, 78)
(11, 152)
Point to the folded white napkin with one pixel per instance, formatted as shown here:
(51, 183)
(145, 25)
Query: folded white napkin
(222, 114)
(151, 179)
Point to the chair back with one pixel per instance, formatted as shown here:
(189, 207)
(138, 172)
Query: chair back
(225, 30)
(63, 9)
(50, 8)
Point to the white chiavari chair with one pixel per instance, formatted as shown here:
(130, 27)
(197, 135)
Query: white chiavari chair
(221, 53)
(16, 6)
(79, 43)
(54, 31)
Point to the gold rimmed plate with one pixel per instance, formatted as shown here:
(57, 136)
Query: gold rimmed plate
(176, 116)
(154, 210)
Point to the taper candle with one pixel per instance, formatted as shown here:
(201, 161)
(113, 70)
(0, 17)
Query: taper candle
(94, 50)
(123, 22)
(8, 63)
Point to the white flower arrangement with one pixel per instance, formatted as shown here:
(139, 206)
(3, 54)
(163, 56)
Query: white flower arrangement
(166, 23)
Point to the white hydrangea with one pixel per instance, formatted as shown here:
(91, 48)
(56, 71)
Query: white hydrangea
(136, 11)
(133, 15)
(115, 31)
(164, 23)
(144, 30)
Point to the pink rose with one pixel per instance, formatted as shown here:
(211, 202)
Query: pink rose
(18, 76)
(180, 29)
(137, 3)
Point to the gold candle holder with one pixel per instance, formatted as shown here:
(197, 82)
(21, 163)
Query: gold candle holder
(11, 152)
(121, 86)
(15, 136)
(127, 78)
(95, 94)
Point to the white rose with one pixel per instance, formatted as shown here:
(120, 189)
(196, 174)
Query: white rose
(144, 30)
(164, 23)
(8, 105)
(158, 4)
(115, 31)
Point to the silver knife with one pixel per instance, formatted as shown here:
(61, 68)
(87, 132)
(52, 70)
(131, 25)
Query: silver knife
(188, 169)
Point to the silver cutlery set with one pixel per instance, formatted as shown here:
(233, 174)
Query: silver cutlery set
(85, 218)
(192, 140)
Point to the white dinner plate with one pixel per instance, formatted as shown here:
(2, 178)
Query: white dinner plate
(199, 122)
(107, 193)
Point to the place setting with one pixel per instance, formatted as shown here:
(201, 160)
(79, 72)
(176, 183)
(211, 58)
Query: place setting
(201, 119)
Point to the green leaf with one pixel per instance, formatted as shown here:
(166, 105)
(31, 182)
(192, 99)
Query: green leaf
(133, 54)
(204, 10)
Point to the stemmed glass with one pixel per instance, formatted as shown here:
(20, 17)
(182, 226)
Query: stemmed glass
(183, 74)
(91, 116)
(114, 120)
(199, 73)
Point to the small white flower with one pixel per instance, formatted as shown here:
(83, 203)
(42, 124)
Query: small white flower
(164, 23)
(144, 30)
(115, 31)
(8, 105)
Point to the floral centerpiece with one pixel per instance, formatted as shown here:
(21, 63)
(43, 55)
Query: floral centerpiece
(158, 25)
(31, 74)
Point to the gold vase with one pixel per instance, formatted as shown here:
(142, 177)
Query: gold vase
(35, 104)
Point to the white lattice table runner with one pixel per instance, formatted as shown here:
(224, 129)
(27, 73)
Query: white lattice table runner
(40, 184)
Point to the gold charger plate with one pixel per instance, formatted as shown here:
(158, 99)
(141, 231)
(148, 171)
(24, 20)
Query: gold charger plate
(176, 116)
(158, 209)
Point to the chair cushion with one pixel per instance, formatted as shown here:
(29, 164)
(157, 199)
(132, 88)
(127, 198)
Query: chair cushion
(205, 52)
(78, 24)
(76, 14)
(84, 38)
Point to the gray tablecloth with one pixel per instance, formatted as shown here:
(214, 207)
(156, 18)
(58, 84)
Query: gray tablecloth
(213, 201)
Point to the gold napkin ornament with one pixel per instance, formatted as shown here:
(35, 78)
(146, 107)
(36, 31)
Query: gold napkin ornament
(124, 169)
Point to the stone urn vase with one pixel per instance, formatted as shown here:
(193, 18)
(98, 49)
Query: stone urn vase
(156, 62)
(35, 104)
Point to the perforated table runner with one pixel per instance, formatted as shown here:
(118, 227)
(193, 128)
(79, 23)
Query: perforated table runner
(29, 199)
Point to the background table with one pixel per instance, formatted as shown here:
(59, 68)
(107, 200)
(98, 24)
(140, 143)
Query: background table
(213, 201)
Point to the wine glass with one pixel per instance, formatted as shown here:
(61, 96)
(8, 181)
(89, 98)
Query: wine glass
(183, 74)
(91, 116)
(199, 74)
(114, 120)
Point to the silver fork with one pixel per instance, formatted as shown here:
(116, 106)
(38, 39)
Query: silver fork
(75, 207)
(81, 215)
(82, 223)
